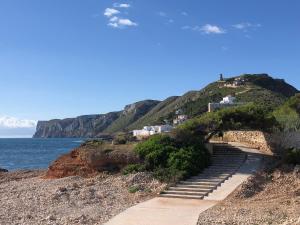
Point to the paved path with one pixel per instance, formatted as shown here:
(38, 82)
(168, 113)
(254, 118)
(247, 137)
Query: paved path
(175, 211)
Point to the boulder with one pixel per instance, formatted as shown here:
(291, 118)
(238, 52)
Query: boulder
(3, 170)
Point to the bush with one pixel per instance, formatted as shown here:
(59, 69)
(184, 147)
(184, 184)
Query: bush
(288, 114)
(249, 116)
(133, 189)
(172, 158)
(293, 156)
(133, 168)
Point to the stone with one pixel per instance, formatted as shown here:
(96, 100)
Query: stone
(3, 170)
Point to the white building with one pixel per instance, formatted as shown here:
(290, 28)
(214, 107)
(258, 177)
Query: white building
(180, 119)
(228, 100)
(151, 130)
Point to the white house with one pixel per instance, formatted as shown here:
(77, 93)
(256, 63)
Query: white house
(228, 100)
(180, 119)
(151, 130)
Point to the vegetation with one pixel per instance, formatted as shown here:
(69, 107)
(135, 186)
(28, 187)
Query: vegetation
(249, 116)
(258, 89)
(172, 158)
(288, 115)
(133, 189)
(293, 156)
(134, 168)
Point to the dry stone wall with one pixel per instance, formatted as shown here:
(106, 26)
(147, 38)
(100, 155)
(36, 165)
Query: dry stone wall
(266, 142)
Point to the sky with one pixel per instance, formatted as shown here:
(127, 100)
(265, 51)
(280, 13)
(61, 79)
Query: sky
(64, 58)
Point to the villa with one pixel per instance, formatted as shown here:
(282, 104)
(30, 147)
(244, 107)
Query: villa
(227, 101)
(151, 130)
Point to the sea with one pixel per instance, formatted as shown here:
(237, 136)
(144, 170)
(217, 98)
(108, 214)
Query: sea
(31, 153)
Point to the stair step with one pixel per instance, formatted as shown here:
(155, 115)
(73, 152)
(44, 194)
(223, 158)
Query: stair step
(186, 193)
(211, 176)
(182, 196)
(201, 182)
(191, 189)
(206, 180)
(208, 186)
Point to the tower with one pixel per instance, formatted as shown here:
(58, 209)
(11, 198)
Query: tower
(221, 77)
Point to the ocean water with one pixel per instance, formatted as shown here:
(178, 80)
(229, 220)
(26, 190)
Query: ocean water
(28, 153)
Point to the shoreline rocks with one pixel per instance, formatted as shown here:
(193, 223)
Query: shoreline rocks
(3, 170)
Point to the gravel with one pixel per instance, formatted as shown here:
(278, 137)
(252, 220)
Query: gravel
(27, 198)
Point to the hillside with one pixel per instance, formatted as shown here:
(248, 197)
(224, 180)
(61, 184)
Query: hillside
(257, 88)
(94, 125)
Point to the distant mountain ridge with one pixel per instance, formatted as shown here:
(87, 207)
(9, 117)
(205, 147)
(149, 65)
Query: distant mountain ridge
(259, 88)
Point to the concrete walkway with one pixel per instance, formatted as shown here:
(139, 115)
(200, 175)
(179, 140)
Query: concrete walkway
(175, 211)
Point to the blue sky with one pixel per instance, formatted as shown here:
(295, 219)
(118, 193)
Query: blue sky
(63, 58)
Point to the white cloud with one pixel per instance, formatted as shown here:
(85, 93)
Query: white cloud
(122, 5)
(184, 14)
(245, 26)
(12, 122)
(109, 12)
(211, 29)
(114, 19)
(115, 25)
(206, 29)
(122, 23)
(126, 22)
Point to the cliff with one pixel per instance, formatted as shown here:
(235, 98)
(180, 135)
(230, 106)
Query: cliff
(257, 88)
(93, 125)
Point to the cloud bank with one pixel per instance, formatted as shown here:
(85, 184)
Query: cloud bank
(13, 123)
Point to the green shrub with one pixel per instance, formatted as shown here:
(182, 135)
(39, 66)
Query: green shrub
(93, 143)
(133, 168)
(249, 116)
(288, 114)
(293, 156)
(133, 189)
(172, 158)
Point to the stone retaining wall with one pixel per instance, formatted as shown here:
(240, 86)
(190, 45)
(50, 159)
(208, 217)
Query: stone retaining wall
(266, 142)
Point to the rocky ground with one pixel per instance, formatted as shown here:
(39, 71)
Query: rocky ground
(26, 198)
(267, 198)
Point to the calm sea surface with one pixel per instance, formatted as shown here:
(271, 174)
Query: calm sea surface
(33, 153)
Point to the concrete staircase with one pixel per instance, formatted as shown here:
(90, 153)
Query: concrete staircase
(226, 160)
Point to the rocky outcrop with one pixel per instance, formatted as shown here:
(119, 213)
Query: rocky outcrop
(88, 160)
(94, 125)
(3, 170)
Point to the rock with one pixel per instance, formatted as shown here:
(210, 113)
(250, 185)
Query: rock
(90, 126)
(3, 170)
(51, 218)
(89, 160)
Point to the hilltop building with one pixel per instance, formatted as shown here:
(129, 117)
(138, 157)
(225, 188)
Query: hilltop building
(147, 131)
(180, 119)
(227, 101)
(237, 82)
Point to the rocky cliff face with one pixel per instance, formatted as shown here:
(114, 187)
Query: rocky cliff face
(259, 88)
(94, 125)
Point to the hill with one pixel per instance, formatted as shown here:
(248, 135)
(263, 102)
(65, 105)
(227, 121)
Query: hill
(256, 88)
